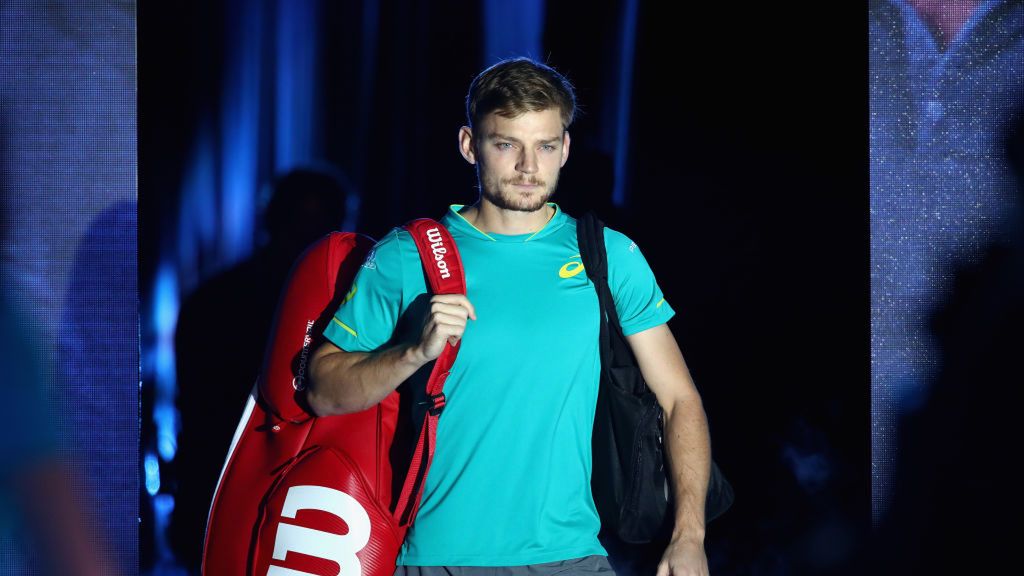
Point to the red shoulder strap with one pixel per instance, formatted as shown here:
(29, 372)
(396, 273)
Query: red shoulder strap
(441, 260)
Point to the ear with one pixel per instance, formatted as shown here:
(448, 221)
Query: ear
(466, 144)
(565, 148)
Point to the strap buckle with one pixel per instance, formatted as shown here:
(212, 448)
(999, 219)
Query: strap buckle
(436, 403)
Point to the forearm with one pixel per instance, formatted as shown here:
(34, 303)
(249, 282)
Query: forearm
(344, 382)
(689, 452)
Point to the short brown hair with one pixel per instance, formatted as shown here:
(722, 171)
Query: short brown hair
(519, 85)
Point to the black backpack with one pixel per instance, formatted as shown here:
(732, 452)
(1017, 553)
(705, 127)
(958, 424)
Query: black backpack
(629, 483)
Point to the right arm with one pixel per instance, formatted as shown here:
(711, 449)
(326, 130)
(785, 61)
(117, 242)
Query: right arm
(343, 382)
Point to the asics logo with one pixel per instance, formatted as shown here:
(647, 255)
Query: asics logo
(371, 260)
(571, 268)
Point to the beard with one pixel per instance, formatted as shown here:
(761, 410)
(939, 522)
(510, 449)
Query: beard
(501, 192)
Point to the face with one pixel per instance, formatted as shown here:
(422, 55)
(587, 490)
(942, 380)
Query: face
(517, 159)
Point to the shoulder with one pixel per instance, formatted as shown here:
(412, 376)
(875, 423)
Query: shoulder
(616, 242)
(395, 243)
(622, 250)
(394, 239)
(613, 239)
(394, 254)
(625, 260)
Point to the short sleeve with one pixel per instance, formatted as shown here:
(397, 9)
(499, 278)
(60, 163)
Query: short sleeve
(638, 298)
(367, 316)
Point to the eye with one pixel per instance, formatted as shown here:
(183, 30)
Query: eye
(548, 147)
(504, 146)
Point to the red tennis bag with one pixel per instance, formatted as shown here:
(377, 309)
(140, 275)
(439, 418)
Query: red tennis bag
(301, 495)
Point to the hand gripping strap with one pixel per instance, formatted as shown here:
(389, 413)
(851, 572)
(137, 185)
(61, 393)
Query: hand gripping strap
(443, 264)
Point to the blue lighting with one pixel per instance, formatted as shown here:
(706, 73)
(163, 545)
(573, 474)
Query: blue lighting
(163, 505)
(165, 314)
(165, 301)
(627, 50)
(166, 419)
(152, 468)
(197, 225)
(240, 132)
(512, 29)
(296, 83)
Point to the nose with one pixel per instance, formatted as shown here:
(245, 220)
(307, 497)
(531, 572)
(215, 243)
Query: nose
(527, 161)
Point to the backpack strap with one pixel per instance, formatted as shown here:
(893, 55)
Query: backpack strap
(615, 352)
(590, 237)
(614, 347)
(444, 270)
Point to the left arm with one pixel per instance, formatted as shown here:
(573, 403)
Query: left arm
(687, 442)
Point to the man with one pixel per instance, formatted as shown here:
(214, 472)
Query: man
(945, 84)
(509, 485)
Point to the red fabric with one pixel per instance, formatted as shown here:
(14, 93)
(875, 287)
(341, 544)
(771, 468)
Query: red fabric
(306, 495)
(326, 530)
(435, 245)
(278, 427)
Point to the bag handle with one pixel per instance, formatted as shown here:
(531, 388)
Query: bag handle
(445, 273)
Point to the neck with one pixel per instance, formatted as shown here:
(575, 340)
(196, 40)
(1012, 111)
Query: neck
(945, 18)
(489, 218)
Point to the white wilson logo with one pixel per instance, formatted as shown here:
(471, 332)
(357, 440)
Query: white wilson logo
(337, 547)
(437, 245)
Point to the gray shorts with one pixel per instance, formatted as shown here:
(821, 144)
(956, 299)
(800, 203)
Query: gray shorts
(594, 564)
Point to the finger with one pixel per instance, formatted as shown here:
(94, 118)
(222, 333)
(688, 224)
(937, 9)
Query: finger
(458, 299)
(663, 569)
(451, 309)
(441, 331)
(448, 319)
(451, 333)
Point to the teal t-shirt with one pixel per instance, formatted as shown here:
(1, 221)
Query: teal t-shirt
(510, 481)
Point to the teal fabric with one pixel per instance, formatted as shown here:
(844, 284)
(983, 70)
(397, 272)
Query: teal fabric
(594, 564)
(510, 480)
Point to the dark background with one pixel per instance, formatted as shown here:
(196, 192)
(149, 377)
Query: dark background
(745, 185)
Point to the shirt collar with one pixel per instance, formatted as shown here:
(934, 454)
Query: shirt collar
(455, 221)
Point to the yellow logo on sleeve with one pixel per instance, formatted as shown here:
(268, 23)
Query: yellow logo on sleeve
(571, 268)
(350, 294)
